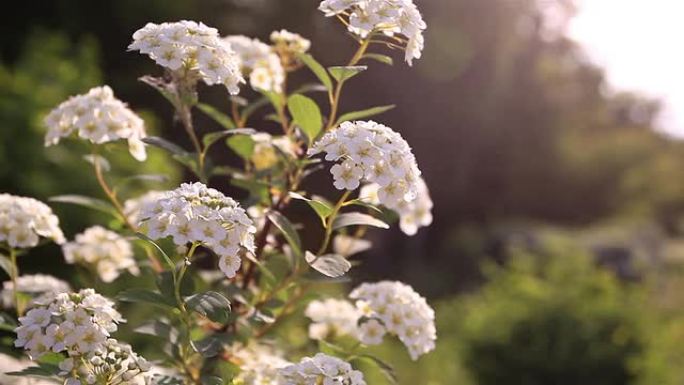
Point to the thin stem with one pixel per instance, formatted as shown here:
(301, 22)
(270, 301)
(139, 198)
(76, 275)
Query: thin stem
(15, 287)
(185, 114)
(179, 278)
(111, 195)
(331, 219)
(335, 96)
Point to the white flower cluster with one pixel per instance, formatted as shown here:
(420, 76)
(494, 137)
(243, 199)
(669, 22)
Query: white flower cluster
(289, 43)
(190, 46)
(332, 317)
(268, 149)
(10, 364)
(99, 117)
(133, 206)
(196, 213)
(396, 308)
(103, 251)
(259, 365)
(76, 323)
(24, 220)
(321, 369)
(412, 215)
(390, 17)
(375, 153)
(113, 363)
(33, 285)
(259, 63)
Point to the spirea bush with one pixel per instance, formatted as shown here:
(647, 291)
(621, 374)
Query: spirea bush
(221, 331)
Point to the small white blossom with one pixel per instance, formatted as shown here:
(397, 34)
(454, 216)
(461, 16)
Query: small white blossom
(113, 363)
(133, 206)
(77, 323)
(32, 285)
(372, 332)
(321, 369)
(401, 311)
(289, 42)
(259, 63)
(98, 117)
(388, 17)
(196, 213)
(103, 251)
(373, 153)
(332, 317)
(412, 214)
(190, 46)
(259, 364)
(24, 220)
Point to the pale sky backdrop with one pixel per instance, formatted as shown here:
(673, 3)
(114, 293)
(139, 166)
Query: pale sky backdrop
(641, 45)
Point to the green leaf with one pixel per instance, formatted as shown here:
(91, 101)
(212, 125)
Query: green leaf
(92, 203)
(344, 73)
(322, 209)
(287, 229)
(98, 160)
(242, 145)
(208, 347)
(6, 264)
(165, 145)
(310, 88)
(380, 58)
(362, 203)
(317, 69)
(218, 116)
(210, 304)
(251, 108)
(331, 265)
(276, 99)
(331, 349)
(352, 219)
(159, 329)
(156, 178)
(144, 296)
(386, 369)
(163, 253)
(356, 115)
(306, 115)
(212, 137)
(42, 370)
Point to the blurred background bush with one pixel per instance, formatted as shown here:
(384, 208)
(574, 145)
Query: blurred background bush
(556, 254)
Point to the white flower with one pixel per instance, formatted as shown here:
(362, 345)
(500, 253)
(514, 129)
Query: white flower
(32, 285)
(24, 220)
(290, 42)
(191, 46)
(401, 311)
(321, 369)
(98, 117)
(78, 323)
(196, 213)
(373, 153)
(104, 251)
(332, 317)
(113, 363)
(372, 332)
(259, 63)
(259, 364)
(132, 206)
(388, 17)
(412, 214)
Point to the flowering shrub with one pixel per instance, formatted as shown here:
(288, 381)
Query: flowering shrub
(229, 272)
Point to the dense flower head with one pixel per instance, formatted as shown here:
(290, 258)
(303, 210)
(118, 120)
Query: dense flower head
(187, 45)
(132, 207)
(389, 17)
(289, 43)
(332, 317)
(259, 63)
(394, 307)
(32, 285)
(103, 251)
(114, 363)
(321, 369)
(372, 152)
(75, 323)
(99, 117)
(412, 214)
(196, 213)
(259, 364)
(24, 220)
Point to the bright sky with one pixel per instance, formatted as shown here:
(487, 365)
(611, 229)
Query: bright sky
(641, 44)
